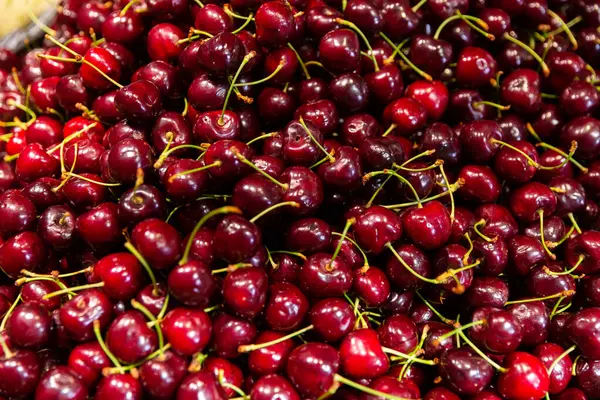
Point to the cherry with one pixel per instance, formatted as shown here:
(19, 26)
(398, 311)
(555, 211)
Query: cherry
(286, 307)
(350, 92)
(78, 314)
(431, 54)
(230, 333)
(560, 372)
(466, 105)
(268, 386)
(311, 368)
(200, 384)
(161, 376)
(407, 114)
(34, 163)
(129, 338)
(512, 164)
(361, 354)
(17, 213)
(164, 76)
(33, 293)
(163, 42)
(119, 386)
(376, 228)
(274, 24)
(71, 91)
(433, 96)
(534, 320)
(587, 375)
(121, 275)
(158, 242)
(213, 20)
(332, 318)
(416, 259)
(581, 330)
(525, 377)
(28, 326)
(500, 331)
(86, 361)
(428, 226)
(61, 381)
(245, 291)
(139, 101)
(270, 359)
(25, 250)
(482, 138)
(465, 372)
(140, 203)
(475, 67)
(323, 275)
(399, 333)
(20, 373)
(340, 51)
(188, 330)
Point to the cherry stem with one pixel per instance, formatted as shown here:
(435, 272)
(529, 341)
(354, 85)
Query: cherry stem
(109, 371)
(249, 163)
(565, 27)
(452, 272)
(360, 33)
(417, 6)
(544, 244)
(249, 19)
(465, 258)
(167, 152)
(274, 207)
(445, 320)
(468, 20)
(400, 177)
(10, 310)
(389, 130)
(15, 77)
(251, 347)
(245, 61)
(55, 274)
(568, 271)
(479, 223)
(365, 389)
(315, 141)
(560, 357)
(265, 79)
(7, 352)
(43, 27)
(574, 222)
(398, 50)
(102, 344)
(564, 293)
(261, 137)
(291, 253)
(460, 328)
(72, 136)
(127, 7)
(481, 353)
(450, 190)
(145, 264)
(213, 308)
(366, 261)
(374, 196)
(233, 14)
(569, 24)
(436, 164)
(29, 111)
(300, 61)
(344, 234)
(563, 239)
(217, 163)
(141, 308)
(562, 153)
(399, 355)
(73, 289)
(491, 104)
(22, 281)
(83, 178)
(454, 187)
(536, 56)
(405, 265)
(206, 217)
(231, 268)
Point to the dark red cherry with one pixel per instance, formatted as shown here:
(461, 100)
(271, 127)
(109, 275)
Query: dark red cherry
(25, 250)
(270, 359)
(34, 163)
(514, 166)
(274, 24)
(332, 318)
(320, 276)
(273, 385)
(534, 320)
(123, 386)
(231, 332)
(61, 382)
(103, 60)
(121, 274)
(398, 332)
(475, 67)
(428, 226)
(407, 114)
(416, 259)
(521, 90)
(129, 338)
(377, 227)
(372, 285)
(286, 307)
(500, 332)
(20, 373)
(213, 19)
(431, 55)
(161, 376)
(312, 367)
(28, 326)
(480, 140)
(531, 197)
(140, 203)
(139, 101)
(17, 213)
(582, 330)
(464, 371)
(560, 375)
(78, 314)
(163, 42)
(245, 291)
(188, 330)
(340, 51)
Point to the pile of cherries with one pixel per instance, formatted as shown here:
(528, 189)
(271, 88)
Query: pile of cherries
(302, 199)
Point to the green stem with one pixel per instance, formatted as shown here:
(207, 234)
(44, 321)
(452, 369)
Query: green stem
(265, 79)
(360, 33)
(102, 344)
(349, 223)
(366, 389)
(9, 311)
(481, 353)
(398, 50)
(479, 223)
(73, 289)
(536, 56)
(409, 269)
(564, 293)
(566, 28)
(145, 264)
(314, 140)
(140, 307)
(273, 207)
(560, 357)
(366, 261)
(300, 61)
(433, 310)
(245, 61)
(251, 347)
